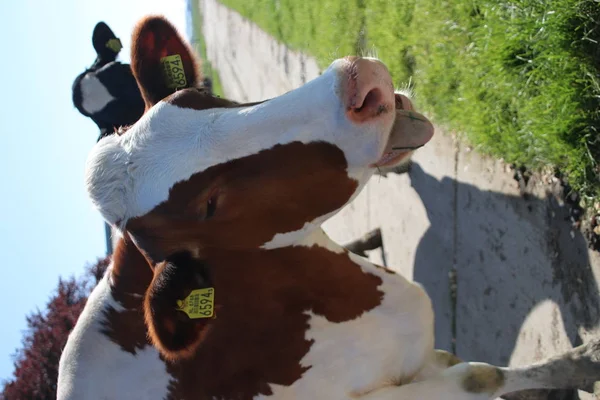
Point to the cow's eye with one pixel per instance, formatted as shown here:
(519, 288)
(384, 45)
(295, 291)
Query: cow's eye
(211, 206)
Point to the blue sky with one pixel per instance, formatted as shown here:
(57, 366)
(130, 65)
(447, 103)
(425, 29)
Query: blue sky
(49, 228)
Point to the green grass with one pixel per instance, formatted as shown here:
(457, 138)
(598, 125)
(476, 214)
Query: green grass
(519, 78)
(200, 47)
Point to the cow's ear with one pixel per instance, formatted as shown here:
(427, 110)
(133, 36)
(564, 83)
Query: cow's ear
(106, 44)
(179, 305)
(161, 61)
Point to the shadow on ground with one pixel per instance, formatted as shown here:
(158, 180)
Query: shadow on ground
(513, 258)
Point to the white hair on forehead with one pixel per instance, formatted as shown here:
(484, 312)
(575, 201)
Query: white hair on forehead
(106, 179)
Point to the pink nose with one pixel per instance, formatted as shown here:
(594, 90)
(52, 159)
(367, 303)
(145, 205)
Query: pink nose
(367, 90)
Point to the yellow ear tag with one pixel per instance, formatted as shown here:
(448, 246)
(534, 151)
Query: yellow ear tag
(199, 304)
(173, 71)
(114, 44)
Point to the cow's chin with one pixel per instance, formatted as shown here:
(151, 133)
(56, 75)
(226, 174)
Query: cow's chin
(394, 158)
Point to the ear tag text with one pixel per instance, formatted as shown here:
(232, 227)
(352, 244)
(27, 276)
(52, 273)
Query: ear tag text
(173, 71)
(199, 304)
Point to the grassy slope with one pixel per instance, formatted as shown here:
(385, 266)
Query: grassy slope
(521, 78)
(200, 47)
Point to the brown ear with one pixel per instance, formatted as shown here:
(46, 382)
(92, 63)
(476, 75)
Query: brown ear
(153, 39)
(173, 331)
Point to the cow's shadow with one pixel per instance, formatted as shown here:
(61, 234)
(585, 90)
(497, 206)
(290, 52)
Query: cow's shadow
(511, 255)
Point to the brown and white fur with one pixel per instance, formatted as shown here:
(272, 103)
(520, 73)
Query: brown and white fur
(210, 193)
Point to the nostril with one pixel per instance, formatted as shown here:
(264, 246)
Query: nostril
(367, 92)
(371, 101)
(372, 105)
(403, 102)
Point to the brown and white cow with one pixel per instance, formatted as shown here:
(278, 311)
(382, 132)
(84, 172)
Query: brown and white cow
(209, 194)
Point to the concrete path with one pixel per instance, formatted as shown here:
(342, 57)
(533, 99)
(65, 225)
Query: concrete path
(526, 285)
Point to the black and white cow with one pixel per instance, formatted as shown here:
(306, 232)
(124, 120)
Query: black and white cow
(107, 92)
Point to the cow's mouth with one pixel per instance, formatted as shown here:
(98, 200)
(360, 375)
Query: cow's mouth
(410, 131)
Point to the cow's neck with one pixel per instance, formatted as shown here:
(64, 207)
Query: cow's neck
(265, 300)
(131, 274)
(319, 237)
(128, 279)
(315, 271)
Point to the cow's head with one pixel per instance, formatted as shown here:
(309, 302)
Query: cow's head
(106, 44)
(198, 173)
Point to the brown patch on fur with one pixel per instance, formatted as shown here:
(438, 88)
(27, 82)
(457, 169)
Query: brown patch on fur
(131, 273)
(130, 276)
(126, 328)
(259, 336)
(199, 99)
(154, 38)
(274, 191)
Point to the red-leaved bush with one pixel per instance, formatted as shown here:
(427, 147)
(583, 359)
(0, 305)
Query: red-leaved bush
(36, 363)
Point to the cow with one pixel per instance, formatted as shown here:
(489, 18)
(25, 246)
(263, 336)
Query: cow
(107, 92)
(223, 284)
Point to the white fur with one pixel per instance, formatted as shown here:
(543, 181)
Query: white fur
(95, 96)
(129, 175)
(320, 238)
(93, 367)
(301, 236)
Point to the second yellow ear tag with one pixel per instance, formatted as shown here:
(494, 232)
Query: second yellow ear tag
(199, 304)
(114, 44)
(173, 71)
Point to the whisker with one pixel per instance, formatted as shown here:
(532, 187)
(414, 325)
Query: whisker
(407, 89)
